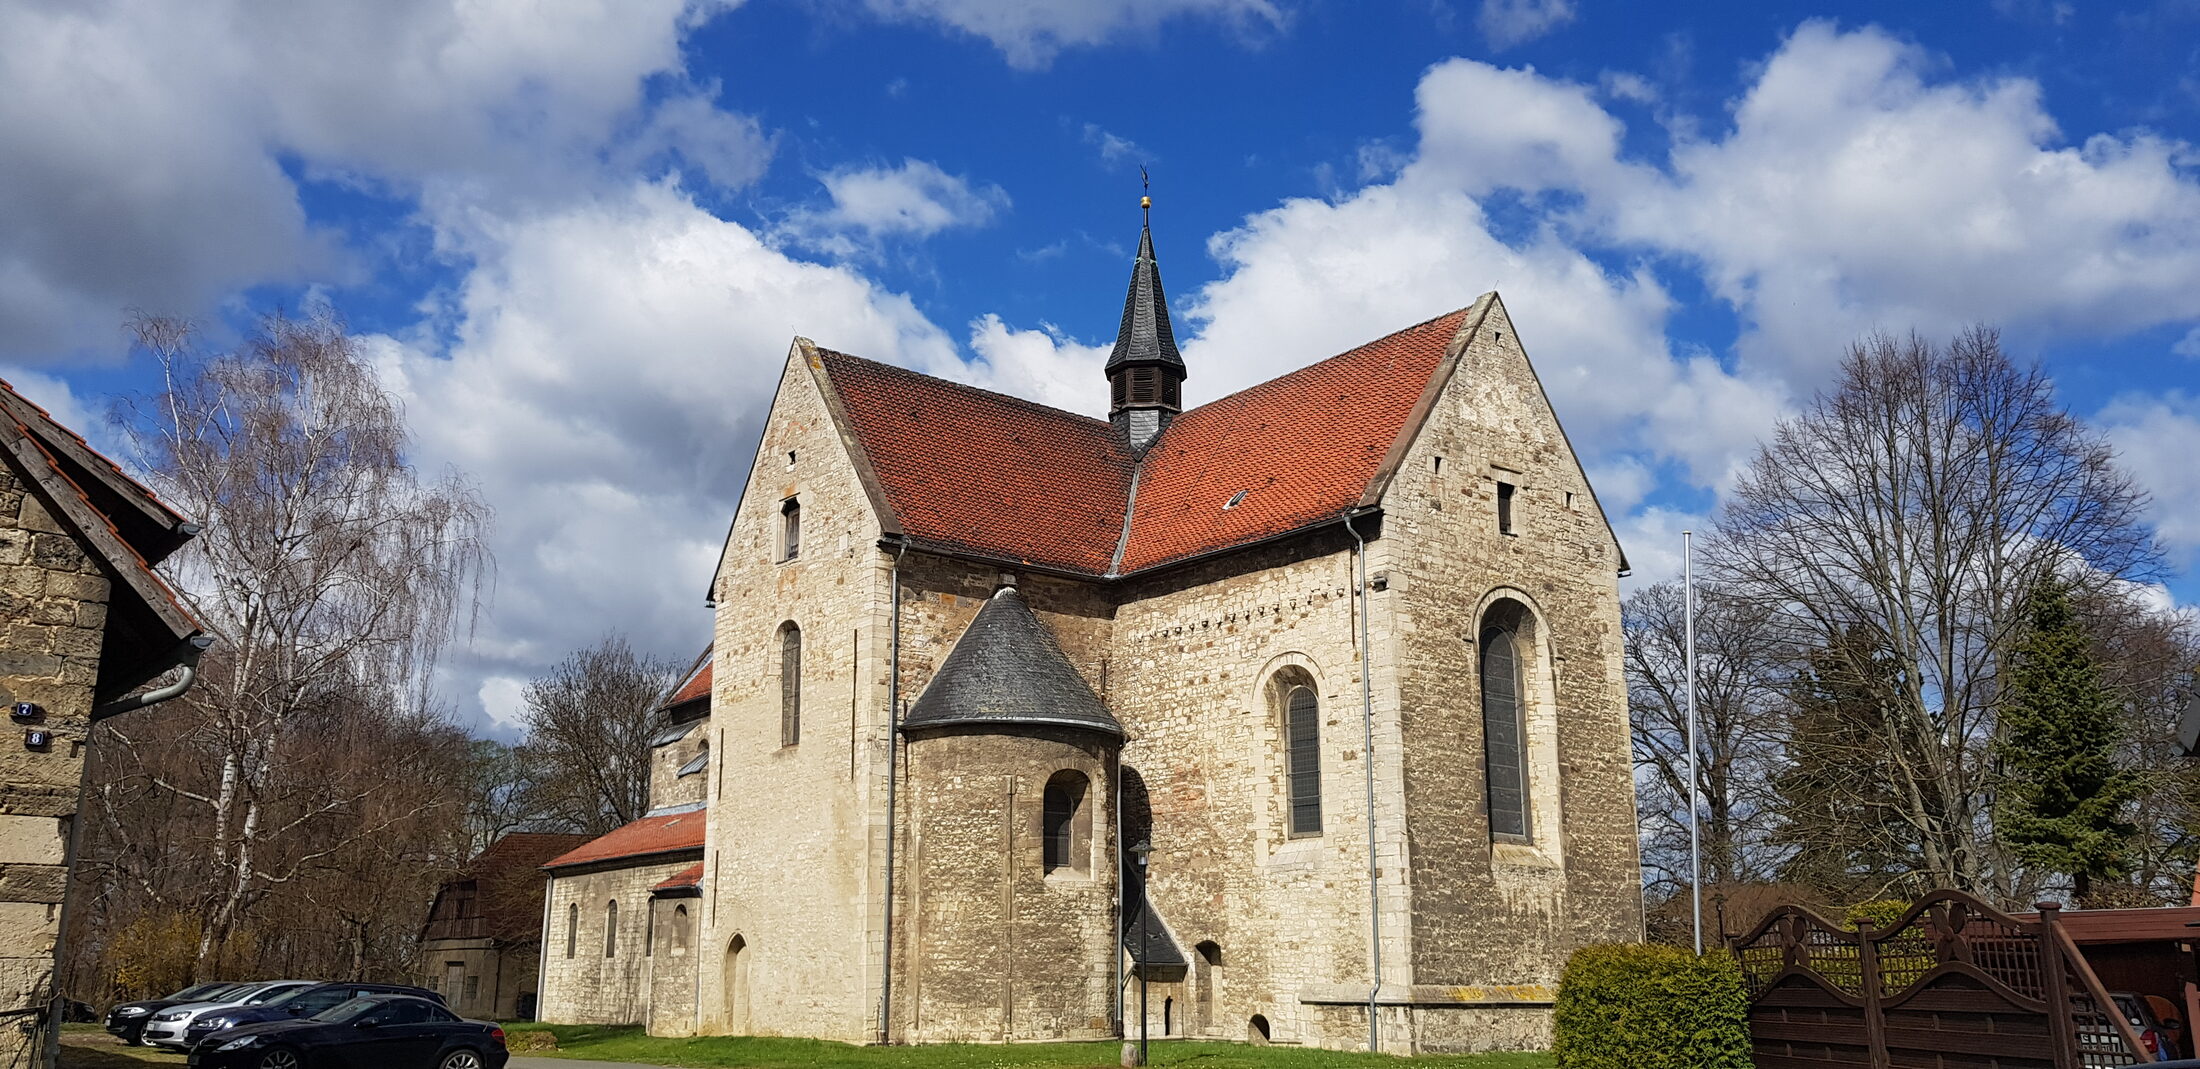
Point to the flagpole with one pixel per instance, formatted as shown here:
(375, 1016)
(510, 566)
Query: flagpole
(1695, 838)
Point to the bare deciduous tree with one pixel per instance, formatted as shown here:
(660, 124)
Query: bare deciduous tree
(1918, 501)
(331, 573)
(589, 724)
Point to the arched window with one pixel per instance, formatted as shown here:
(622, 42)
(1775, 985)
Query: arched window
(1303, 758)
(572, 928)
(790, 684)
(679, 931)
(611, 928)
(790, 529)
(1504, 722)
(649, 929)
(1066, 824)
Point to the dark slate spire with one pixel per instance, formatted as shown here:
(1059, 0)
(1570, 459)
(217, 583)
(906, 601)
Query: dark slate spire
(1008, 670)
(1145, 373)
(1145, 336)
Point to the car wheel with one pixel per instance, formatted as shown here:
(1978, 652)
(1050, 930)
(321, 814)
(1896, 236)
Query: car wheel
(279, 1058)
(461, 1058)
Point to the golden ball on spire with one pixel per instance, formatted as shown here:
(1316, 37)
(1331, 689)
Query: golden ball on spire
(1145, 202)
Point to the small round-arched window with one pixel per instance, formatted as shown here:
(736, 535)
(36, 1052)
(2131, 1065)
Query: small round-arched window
(1065, 832)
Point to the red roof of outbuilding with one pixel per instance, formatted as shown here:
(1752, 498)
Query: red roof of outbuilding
(669, 833)
(971, 471)
(691, 876)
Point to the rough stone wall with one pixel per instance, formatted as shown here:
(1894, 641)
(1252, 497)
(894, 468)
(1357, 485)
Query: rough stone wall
(53, 609)
(797, 833)
(667, 787)
(995, 949)
(585, 985)
(1190, 675)
(672, 965)
(1504, 914)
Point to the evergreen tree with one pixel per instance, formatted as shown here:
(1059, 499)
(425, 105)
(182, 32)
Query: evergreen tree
(2063, 799)
(1841, 820)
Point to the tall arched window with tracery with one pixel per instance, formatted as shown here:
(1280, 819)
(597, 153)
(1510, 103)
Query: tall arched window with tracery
(790, 684)
(1302, 733)
(1504, 721)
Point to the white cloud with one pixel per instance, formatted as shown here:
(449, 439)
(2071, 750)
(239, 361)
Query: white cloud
(916, 199)
(1115, 150)
(2158, 437)
(1029, 33)
(605, 382)
(2189, 345)
(1505, 23)
(147, 140)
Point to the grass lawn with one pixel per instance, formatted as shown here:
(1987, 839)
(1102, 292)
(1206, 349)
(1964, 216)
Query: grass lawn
(708, 1052)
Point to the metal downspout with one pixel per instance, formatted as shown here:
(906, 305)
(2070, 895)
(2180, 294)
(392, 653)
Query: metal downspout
(1367, 727)
(893, 758)
(189, 652)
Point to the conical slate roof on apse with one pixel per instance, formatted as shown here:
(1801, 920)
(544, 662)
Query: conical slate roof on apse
(1009, 670)
(1145, 336)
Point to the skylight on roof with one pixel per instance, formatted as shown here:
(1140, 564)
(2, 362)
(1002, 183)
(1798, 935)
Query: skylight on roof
(1236, 499)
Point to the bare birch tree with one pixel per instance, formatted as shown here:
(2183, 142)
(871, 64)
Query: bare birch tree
(330, 572)
(1918, 501)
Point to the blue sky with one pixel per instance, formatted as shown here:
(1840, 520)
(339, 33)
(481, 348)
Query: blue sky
(578, 238)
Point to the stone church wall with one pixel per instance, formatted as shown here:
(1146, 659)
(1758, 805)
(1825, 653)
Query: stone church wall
(667, 787)
(992, 947)
(53, 607)
(673, 961)
(583, 984)
(1194, 658)
(1504, 916)
(797, 833)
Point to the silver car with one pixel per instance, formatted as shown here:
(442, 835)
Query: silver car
(167, 1027)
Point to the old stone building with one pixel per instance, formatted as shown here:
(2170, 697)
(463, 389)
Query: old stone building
(83, 622)
(482, 941)
(1306, 701)
(619, 918)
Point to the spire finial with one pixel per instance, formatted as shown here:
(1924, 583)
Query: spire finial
(1145, 200)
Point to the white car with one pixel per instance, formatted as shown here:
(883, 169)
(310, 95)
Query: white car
(166, 1029)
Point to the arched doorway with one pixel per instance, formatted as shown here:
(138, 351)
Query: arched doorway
(1203, 986)
(737, 986)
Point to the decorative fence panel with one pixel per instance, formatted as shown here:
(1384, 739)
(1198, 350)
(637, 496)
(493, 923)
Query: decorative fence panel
(1952, 983)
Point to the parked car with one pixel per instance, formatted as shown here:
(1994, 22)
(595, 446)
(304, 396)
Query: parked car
(296, 1002)
(166, 1029)
(370, 1032)
(128, 1019)
(2160, 1042)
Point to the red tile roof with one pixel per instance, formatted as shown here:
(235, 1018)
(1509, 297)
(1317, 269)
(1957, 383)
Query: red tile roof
(696, 685)
(665, 834)
(970, 471)
(691, 876)
(1304, 448)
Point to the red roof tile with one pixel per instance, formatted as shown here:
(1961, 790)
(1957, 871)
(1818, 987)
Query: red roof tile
(696, 685)
(971, 471)
(1304, 448)
(691, 876)
(650, 835)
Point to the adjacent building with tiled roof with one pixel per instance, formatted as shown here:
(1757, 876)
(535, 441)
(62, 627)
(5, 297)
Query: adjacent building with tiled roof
(88, 630)
(482, 941)
(1300, 709)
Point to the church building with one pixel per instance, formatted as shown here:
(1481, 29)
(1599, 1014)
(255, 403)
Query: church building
(1303, 706)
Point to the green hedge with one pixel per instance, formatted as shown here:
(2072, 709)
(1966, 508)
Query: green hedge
(1638, 1006)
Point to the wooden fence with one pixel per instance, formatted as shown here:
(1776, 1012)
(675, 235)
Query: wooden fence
(1954, 982)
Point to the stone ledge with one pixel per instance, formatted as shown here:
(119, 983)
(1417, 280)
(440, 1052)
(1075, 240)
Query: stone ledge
(1526, 996)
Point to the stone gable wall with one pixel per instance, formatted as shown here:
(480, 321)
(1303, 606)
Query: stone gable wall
(1493, 914)
(797, 833)
(53, 611)
(666, 786)
(587, 986)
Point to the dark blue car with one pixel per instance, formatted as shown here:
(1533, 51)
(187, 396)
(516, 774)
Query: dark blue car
(373, 1032)
(302, 1002)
